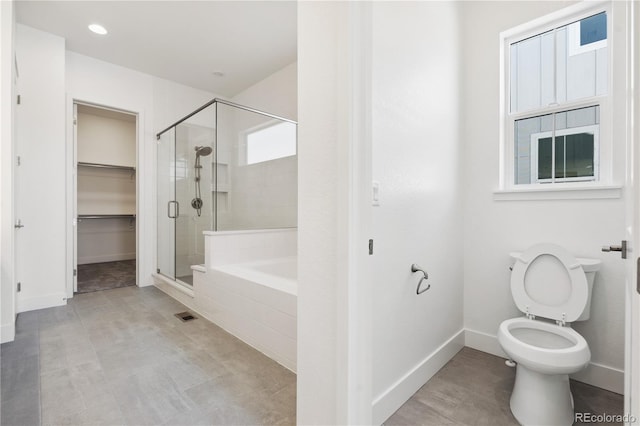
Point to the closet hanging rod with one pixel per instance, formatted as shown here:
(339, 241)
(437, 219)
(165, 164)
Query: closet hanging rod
(106, 216)
(106, 166)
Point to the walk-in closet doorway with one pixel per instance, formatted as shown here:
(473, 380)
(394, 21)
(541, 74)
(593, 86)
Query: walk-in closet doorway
(104, 198)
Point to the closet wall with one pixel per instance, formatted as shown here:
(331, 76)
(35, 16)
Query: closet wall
(106, 185)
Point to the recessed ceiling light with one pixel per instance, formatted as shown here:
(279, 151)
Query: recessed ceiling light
(98, 29)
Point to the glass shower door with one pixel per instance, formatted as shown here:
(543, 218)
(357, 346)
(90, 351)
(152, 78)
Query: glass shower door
(194, 154)
(168, 207)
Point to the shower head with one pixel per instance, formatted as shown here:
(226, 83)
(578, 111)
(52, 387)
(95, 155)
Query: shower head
(203, 151)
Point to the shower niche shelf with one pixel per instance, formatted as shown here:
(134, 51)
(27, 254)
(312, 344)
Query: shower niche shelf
(223, 180)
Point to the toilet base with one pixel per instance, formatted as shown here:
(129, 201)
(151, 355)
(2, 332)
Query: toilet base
(541, 399)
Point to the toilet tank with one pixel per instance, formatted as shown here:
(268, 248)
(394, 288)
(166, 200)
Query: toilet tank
(590, 267)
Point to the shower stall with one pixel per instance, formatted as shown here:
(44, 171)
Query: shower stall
(224, 167)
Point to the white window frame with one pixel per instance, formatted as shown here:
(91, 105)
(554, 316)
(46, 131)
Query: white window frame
(508, 120)
(535, 138)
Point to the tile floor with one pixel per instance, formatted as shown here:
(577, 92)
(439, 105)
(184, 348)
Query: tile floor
(120, 357)
(474, 389)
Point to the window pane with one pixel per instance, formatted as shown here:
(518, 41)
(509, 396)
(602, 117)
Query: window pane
(584, 59)
(532, 65)
(583, 117)
(544, 158)
(559, 157)
(523, 156)
(573, 152)
(576, 54)
(270, 143)
(593, 28)
(579, 155)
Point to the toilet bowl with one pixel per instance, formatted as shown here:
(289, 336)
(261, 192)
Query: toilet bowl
(552, 288)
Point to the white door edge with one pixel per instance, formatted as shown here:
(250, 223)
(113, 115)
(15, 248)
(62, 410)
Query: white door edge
(632, 305)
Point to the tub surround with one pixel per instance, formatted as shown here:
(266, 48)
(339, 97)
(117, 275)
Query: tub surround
(248, 286)
(231, 247)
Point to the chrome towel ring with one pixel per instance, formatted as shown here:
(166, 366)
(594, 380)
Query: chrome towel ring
(425, 276)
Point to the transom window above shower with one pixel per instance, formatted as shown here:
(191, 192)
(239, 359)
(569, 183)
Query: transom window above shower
(270, 142)
(556, 84)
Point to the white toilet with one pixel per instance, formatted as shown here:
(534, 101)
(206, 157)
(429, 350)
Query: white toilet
(553, 289)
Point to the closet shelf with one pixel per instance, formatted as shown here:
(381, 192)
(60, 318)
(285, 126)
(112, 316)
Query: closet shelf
(106, 166)
(106, 216)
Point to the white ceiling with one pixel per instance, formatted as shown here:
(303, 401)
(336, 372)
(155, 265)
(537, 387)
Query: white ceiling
(183, 41)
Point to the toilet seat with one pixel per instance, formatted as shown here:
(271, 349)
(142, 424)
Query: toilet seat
(531, 295)
(566, 358)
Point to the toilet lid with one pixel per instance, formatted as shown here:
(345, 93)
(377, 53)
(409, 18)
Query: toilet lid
(547, 281)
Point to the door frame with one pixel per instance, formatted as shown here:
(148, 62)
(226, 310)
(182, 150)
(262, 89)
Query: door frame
(142, 214)
(632, 319)
(8, 110)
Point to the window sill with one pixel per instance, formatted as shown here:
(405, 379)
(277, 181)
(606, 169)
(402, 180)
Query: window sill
(530, 193)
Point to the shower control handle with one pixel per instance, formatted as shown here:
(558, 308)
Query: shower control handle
(18, 224)
(176, 210)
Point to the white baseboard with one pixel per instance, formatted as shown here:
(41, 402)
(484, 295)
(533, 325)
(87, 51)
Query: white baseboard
(106, 258)
(385, 404)
(41, 302)
(483, 342)
(602, 376)
(7, 332)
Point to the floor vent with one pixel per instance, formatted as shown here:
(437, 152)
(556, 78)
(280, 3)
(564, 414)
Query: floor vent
(186, 316)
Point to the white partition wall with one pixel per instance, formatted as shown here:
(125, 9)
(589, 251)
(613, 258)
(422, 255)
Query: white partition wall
(416, 149)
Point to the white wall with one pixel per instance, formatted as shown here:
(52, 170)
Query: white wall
(40, 189)
(106, 138)
(262, 195)
(390, 57)
(495, 228)
(416, 160)
(45, 72)
(159, 103)
(7, 96)
(106, 240)
(96, 82)
(276, 94)
(106, 191)
(322, 140)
